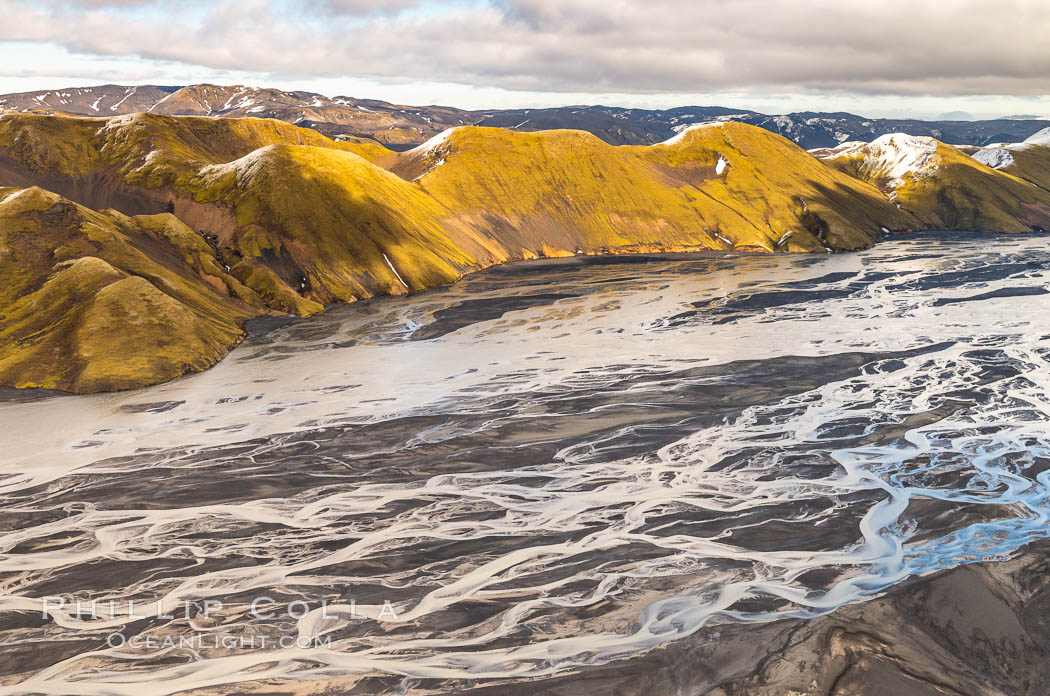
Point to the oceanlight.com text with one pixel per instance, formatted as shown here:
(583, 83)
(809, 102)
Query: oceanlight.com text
(217, 641)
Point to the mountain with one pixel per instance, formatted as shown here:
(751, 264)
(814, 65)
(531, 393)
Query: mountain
(104, 100)
(818, 130)
(1028, 160)
(96, 301)
(942, 186)
(1003, 155)
(402, 127)
(134, 247)
(1023, 117)
(392, 124)
(614, 125)
(955, 116)
(179, 228)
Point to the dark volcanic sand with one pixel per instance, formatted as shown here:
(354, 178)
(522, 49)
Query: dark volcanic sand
(661, 475)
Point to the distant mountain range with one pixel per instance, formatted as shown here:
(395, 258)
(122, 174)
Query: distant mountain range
(400, 127)
(1023, 117)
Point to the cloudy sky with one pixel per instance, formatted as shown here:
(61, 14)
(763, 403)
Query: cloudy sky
(876, 57)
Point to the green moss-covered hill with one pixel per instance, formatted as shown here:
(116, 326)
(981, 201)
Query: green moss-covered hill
(1031, 163)
(719, 186)
(175, 229)
(945, 188)
(97, 301)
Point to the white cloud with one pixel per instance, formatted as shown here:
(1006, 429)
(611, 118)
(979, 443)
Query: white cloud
(361, 8)
(586, 47)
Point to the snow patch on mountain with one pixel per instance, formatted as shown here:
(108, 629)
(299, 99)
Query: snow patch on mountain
(391, 265)
(432, 153)
(118, 122)
(230, 100)
(161, 101)
(994, 157)
(1040, 138)
(893, 156)
(240, 167)
(127, 93)
(434, 143)
(828, 152)
(12, 196)
(1000, 155)
(430, 169)
(684, 129)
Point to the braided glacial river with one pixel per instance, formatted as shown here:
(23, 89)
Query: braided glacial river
(547, 467)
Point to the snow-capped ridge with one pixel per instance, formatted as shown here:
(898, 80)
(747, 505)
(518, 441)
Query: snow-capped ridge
(828, 152)
(1000, 155)
(12, 196)
(434, 143)
(894, 155)
(432, 153)
(239, 166)
(1040, 138)
(681, 131)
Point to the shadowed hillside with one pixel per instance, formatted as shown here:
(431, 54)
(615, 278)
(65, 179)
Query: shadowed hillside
(95, 301)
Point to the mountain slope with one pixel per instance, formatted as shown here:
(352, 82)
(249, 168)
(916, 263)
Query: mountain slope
(220, 219)
(98, 301)
(391, 124)
(812, 129)
(103, 100)
(728, 186)
(616, 126)
(1031, 163)
(1028, 160)
(332, 224)
(501, 195)
(335, 226)
(943, 187)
